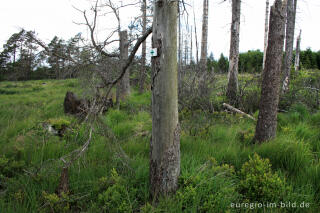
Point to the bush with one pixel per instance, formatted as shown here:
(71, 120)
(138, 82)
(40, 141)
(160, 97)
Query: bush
(195, 90)
(56, 203)
(211, 189)
(116, 197)
(259, 183)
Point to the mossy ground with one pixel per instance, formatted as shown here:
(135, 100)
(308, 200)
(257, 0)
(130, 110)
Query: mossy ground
(214, 147)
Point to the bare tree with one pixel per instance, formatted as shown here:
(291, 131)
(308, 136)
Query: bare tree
(144, 46)
(123, 89)
(196, 37)
(297, 58)
(204, 41)
(191, 45)
(180, 41)
(232, 88)
(267, 119)
(291, 20)
(165, 142)
(266, 30)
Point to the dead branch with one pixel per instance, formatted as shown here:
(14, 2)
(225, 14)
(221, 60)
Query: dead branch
(92, 28)
(229, 107)
(78, 152)
(129, 61)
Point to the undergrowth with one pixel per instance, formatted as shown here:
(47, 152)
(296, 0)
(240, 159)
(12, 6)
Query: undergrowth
(220, 167)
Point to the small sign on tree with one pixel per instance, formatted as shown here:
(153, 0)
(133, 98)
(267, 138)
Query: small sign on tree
(154, 52)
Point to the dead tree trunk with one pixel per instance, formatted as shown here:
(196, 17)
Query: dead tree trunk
(204, 41)
(179, 45)
(125, 81)
(232, 88)
(291, 19)
(196, 37)
(165, 142)
(144, 46)
(266, 29)
(297, 58)
(191, 46)
(267, 119)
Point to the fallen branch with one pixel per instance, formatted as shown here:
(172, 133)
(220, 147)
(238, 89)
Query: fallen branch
(63, 186)
(229, 107)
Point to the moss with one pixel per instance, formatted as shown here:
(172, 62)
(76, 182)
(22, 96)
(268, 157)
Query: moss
(59, 123)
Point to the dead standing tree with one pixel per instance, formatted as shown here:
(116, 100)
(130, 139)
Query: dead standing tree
(124, 82)
(144, 46)
(123, 89)
(204, 41)
(267, 119)
(232, 88)
(291, 20)
(297, 58)
(165, 142)
(266, 30)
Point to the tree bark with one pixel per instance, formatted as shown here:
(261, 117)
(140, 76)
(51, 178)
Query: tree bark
(232, 88)
(291, 19)
(267, 119)
(266, 30)
(144, 47)
(204, 41)
(191, 46)
(297, 58)
(124, 87)
(165, 142)
(196, 37)
(180, 41)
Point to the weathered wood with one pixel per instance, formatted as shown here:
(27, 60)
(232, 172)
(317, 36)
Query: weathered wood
(144, 47)
(267, 119)
(297, 58)
(124, 46)
(229, 107)
(204, 39)
(266, 30)
(123, 87)
(165, 142)
(291, 20)
(63, 187)
(232, 88)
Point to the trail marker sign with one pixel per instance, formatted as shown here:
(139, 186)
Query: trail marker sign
(154, 52)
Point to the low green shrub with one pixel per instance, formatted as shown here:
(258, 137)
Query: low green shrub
(55, 203)
(116, 197)
(211, 189)
(259, 183)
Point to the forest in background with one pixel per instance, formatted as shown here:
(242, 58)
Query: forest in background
(22, 59)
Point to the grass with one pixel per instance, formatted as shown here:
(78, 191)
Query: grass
(214, 148)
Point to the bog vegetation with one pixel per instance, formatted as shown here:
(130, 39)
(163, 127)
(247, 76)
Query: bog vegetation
(219, 163)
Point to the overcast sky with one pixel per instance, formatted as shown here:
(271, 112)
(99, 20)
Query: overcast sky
(56, 17)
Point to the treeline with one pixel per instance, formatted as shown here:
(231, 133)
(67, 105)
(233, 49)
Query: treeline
(22, 59)
(251, 61)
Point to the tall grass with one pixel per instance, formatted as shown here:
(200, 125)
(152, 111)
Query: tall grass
(30, 165)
